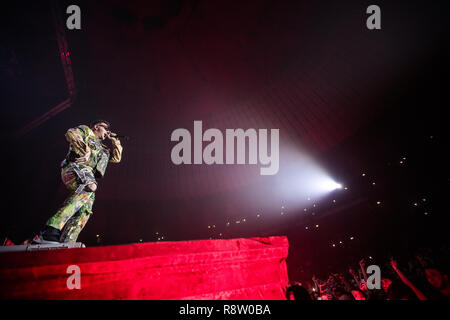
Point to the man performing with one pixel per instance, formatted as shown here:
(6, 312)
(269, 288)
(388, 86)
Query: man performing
(86, 160)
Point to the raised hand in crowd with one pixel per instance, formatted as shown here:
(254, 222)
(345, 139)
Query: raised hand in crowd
(406, 281)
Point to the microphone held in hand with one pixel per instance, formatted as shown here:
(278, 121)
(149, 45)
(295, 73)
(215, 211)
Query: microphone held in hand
(121, 136)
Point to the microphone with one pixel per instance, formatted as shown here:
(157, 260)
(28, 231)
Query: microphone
(122, 136)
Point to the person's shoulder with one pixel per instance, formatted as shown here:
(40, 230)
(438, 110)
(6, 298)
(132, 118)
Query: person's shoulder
(85, 129)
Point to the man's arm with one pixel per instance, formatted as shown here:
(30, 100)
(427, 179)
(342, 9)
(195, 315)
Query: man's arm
(362, 264)
(317, 285)
(75, 136)
(355, 277)
(406, 281)
(116, 153)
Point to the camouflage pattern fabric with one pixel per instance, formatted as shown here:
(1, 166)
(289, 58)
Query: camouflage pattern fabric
(76, 210)
(71, 218)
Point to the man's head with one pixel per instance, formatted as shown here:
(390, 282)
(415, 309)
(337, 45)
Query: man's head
(399, 291)
(385, 283)
(297, 292)
(100, 128)
(436, 278)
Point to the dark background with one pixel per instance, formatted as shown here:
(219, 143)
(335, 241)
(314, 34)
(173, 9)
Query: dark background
(356, 101)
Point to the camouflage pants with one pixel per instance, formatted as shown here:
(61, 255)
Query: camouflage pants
(71, 218)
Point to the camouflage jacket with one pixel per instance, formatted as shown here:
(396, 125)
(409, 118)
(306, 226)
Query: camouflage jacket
(82, 140)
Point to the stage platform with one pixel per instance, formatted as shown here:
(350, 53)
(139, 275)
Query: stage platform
(236, 269)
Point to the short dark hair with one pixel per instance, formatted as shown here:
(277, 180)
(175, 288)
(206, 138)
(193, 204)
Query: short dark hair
(299, 292)
(93, 123)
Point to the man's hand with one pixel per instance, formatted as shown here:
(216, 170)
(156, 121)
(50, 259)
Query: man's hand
(111, 135)
(394, 264)
(362, 263)
(84, 158)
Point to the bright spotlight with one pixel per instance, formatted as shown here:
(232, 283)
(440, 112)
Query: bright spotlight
(328, 185)
(302, 180)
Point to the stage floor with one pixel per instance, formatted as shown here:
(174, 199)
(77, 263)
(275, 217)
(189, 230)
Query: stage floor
(253, 268)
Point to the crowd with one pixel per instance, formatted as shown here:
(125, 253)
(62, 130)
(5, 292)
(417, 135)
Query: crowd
(418, 278)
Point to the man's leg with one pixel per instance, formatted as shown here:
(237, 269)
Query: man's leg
(71, 206)
(76, 223)
(73, 178)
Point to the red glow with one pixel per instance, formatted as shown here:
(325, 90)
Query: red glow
(239, 269)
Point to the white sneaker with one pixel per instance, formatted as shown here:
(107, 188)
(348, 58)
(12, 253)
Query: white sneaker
(39, 240)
